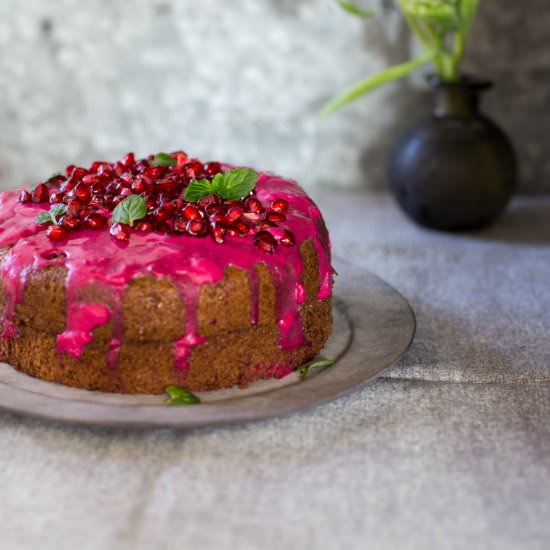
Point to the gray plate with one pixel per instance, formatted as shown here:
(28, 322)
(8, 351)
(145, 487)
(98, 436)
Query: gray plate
(373, 327)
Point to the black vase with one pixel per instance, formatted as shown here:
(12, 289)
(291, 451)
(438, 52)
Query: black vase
(455, 170)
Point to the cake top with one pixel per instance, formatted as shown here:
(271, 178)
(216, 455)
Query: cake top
(163, 216)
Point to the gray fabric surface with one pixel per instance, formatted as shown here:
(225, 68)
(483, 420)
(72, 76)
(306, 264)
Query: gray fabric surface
(450, 451)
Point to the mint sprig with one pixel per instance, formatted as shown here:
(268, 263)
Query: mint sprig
(129, 210)
(51, 216)
(230, 185)
(313, 365)
(163, 159)
(355, 10)
(180, 396)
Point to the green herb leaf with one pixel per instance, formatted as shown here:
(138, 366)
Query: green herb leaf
(197, 190)
(180, 396)
(315, 364)
(52, 177)
(372, 82)
(43, 218)
(55, 211)
(355, 10)
(163, 159)
(132, 208)
(235, 184)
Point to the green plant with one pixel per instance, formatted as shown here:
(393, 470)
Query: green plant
(441, 26)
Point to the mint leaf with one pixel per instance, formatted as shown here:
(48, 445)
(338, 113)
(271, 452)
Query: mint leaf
(235, 184)
(355, 10)
(53, 176)
(43, 218)
(315, 364)
(132, 208)
(55, 211)
(163, 159)
(180, 396)
(197, 190)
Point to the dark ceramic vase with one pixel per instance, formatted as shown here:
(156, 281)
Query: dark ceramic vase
(455, 170)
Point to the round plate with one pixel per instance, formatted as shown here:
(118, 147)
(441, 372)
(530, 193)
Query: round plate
(373, 327)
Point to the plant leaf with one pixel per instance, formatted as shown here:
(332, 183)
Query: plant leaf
(315, 364)
(468, 11)
(180, 396)
(43, 218)
(55, 211)
(197, 190)
(236, 184)
(355, 10)
(372, 82)
(163, 159)
(130, 209)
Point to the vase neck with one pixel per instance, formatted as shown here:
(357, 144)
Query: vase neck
(457, 99)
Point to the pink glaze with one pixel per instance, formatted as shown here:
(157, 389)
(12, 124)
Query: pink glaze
(94, 258)
(84, 318)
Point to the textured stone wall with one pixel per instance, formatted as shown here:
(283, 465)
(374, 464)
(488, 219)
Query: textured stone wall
(243, 81)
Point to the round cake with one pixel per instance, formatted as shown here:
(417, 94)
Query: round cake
(131, 276)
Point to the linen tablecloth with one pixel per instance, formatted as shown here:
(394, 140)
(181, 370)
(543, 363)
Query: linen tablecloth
(450, 450)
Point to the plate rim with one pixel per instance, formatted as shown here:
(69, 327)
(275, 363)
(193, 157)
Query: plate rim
(262, 406)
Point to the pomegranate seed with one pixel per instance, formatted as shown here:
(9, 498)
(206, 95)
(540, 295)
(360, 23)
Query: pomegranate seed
(95, 221)
(265, 241)
(151, 203)
(231, 232)
(180, 224)
(241, 226)
(98, 189)
(279, 205)
(69, 170)
(194, 169)
(213, 208)
(178, 204)
(120, 231)
(253, 205)
(129, 159)
(195, 227)
(126, 179)
(96, 202)
(40, 193)
(138, 186)
(191, 212)
(212, 168)
(84, 212)
(95, 166)
(181, 158)
(287, 239)
(124, 192)
(24, 196)
(265, 224)
(119, 168)
(143, 226)
(217, 230)
(73, 207)
(208, 200)
(69, 223)
(275, 217)
(56, 198)
(168, 185)
(82, 193)
(234, 214)
(90, 179)
(154, 172)
(78, 173)
(105, 170)
(164, 227)
(67, 186)
(218, 217)
(162, 214)
(108, 199)
(55, 233)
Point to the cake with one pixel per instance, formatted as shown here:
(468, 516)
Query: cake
(134, 275)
